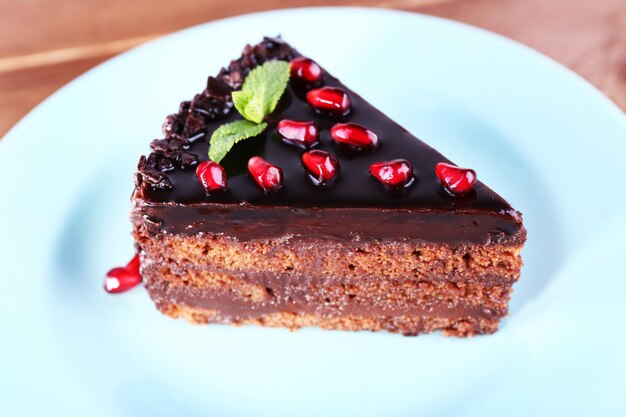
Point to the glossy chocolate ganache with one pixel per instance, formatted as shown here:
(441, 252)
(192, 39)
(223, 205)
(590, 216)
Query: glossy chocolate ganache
(169, 198)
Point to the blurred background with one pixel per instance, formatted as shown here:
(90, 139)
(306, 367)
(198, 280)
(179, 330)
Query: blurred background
(46, 43)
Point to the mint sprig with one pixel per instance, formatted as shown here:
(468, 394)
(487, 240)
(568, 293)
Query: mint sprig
(258, 97)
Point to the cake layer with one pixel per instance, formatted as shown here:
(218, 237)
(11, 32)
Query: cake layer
(315, 303)
(331, 261)
(252, 295)
(407, 325)
(166, 283)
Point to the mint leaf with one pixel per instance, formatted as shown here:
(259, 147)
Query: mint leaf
(258, 97)
(261, 90)
(227, 135)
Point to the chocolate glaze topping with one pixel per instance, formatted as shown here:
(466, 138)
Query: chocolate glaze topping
(171, 199)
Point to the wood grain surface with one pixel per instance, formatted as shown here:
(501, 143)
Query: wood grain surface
(46, 43)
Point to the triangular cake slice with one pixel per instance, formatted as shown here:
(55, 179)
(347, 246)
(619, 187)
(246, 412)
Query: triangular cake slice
(342, 219)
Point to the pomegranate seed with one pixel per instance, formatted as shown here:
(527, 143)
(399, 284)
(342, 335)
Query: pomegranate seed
(305, 69)
(456, 180)
(212, 176)
(332, 99)
(123, 278)
(354, 135)
(304, 134)
(394, 174)
(321, 166)
(268, 176)
(134, 264)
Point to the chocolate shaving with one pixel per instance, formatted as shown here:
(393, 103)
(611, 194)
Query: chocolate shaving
(156, 179)
(160, 162)
(189, 123)
(188, 160)
(194, 124)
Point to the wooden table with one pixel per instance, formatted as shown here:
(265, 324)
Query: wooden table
(46, 43)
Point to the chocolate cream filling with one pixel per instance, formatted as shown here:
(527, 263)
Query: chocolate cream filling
(234, 310)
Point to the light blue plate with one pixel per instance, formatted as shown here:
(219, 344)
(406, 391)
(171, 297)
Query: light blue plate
(541, 136)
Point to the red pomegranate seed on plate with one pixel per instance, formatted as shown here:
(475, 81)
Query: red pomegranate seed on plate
(123, 278)
(134, 264)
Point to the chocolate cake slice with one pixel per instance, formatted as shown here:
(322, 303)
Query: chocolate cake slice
(331, 215)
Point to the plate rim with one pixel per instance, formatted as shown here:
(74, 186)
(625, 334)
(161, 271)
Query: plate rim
(514, 43)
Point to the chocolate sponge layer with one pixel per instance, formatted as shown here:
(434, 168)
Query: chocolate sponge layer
(407, 287)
